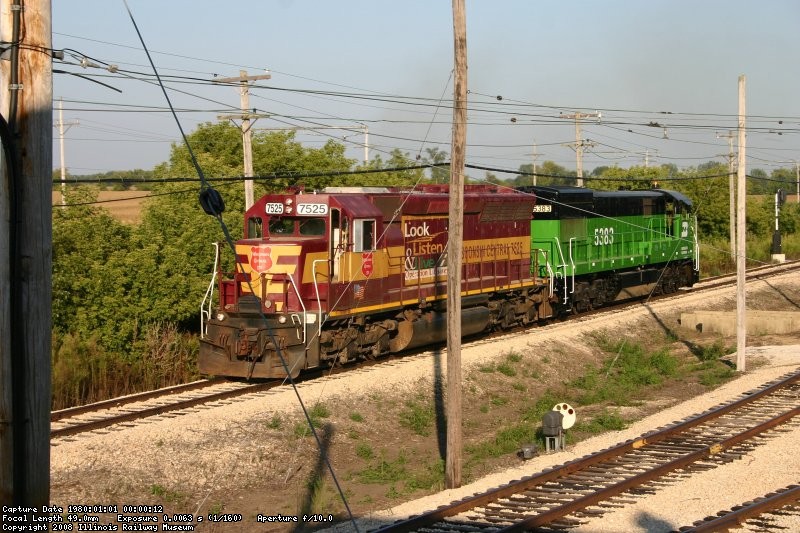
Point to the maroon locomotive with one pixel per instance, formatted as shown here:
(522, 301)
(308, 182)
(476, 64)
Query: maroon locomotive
(348, 273)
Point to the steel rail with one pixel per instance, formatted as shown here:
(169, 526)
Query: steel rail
(659, 471)
(131, 398)
(736, 518)
(529, 482)
(158, 410)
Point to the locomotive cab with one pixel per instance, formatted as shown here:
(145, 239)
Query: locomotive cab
(301, 256)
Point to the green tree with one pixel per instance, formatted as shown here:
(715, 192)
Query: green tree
(435, 156)
(389, 178)
(707, 187)
(548, 173)
(87, 289)
(524, 177)
(633, 178)
(492, 178)
(782, 178)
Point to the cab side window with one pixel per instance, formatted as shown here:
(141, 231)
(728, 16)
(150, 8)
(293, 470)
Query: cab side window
(255, 228)
(363, 235)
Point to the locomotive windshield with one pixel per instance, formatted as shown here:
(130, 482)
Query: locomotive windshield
(296, 226)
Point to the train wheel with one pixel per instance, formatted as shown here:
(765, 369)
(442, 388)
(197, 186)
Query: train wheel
(581, 298)
(509, 319)
(670, 280)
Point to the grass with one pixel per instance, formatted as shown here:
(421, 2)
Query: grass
(606, 420)
(402, 477)
(364, 451)
(712, 374)
(384, 472)
(506, 369)
(715, 256)
(276, 422)
(628, 368)
(169, 496)
(506, 441)
(712, 352)
(317, 412)
(418, 416)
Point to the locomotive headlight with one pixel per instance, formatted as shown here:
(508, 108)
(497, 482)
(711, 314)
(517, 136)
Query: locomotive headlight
(282, 319)
(288, 201)
(221, 316)
(288, 209)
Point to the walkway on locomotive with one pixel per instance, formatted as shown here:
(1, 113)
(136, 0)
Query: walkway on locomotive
(339, 253)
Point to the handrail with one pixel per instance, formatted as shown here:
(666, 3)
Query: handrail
(572, 262)
(299, 299)
(696, 248)
(563, 265)
(206, 315)
(316, 288)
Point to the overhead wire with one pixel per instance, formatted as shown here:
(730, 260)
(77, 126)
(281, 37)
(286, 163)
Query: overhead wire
(297, 175)
(506, 107)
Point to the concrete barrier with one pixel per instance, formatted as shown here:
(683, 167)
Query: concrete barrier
(758, 322)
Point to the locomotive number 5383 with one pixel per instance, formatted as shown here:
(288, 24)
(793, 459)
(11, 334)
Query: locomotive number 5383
(603, 236)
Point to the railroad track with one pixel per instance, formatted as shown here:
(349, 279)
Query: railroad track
(756, 513)
(90, 417)
(752, 274)
(137, 406)
(568, 495)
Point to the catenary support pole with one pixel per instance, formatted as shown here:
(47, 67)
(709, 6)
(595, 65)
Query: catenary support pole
(741, 250)
(62, 129)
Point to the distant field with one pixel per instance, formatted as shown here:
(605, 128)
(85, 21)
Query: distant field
(125, 206)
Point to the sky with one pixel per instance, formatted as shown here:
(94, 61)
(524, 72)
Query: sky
(662, 75)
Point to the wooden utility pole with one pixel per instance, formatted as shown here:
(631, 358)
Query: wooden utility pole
(535, 157)
(247, 134)
(580, 144)
(454, 249)
(26, 254)
(731, 191)
(6, 371)
(741, 250)
(61, 131)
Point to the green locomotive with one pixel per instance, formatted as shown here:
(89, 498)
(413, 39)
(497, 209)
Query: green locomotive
(602, 246)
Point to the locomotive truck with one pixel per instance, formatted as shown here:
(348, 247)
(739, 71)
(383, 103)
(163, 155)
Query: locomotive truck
(327, 277)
